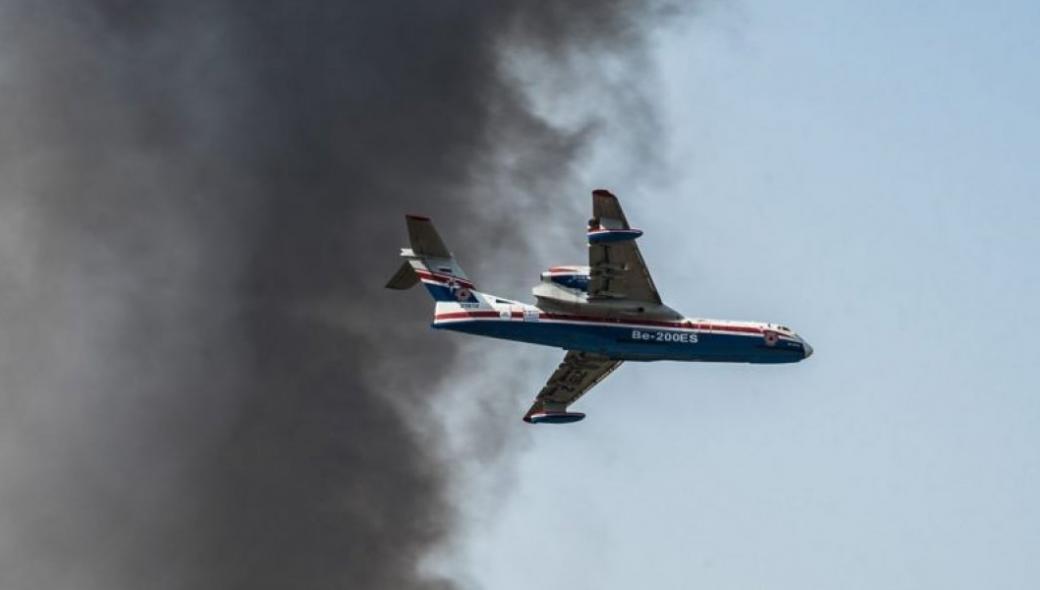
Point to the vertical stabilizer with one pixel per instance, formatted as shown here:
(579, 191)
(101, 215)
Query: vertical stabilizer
(429, 261)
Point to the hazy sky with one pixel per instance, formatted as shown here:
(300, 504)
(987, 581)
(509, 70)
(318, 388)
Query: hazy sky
(865, 173)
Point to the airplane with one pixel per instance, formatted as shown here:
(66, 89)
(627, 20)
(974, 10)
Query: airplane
(602, 314)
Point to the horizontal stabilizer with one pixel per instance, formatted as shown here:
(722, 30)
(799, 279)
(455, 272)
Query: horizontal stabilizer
(404, 278)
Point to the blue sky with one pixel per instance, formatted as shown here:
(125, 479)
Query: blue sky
(865, 173)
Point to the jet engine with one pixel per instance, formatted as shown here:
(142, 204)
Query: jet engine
(563, 287)
(569, 277)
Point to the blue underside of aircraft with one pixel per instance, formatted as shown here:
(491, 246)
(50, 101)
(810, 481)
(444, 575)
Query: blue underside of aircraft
(637, 343)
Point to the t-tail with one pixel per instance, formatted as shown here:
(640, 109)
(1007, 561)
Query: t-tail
(430, 261)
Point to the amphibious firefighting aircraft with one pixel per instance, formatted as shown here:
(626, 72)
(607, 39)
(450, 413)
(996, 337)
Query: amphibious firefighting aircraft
(602, 314)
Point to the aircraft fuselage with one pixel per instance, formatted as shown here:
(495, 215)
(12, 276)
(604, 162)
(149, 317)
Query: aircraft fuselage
(632, 339)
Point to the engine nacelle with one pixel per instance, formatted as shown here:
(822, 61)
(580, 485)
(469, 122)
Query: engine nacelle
(569, 277)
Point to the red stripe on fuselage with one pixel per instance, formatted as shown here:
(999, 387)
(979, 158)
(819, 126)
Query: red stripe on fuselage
(456, 315)
(424, 274)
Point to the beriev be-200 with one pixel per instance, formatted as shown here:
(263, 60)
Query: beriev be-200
(602, 314)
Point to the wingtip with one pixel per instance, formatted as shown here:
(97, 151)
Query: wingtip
(534, 409)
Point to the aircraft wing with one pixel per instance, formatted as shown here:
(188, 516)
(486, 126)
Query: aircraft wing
(617, 270)
(578, 373)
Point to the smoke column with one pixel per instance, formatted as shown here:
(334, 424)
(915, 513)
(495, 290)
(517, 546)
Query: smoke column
(203, 383)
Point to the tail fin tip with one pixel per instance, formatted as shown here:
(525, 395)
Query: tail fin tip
(424, 238)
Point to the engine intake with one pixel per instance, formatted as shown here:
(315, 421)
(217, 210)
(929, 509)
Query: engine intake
(569, 277)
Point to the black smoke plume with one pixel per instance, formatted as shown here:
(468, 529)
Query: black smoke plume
(204, 384)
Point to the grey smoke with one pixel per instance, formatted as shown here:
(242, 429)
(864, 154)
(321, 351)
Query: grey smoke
(201, 377)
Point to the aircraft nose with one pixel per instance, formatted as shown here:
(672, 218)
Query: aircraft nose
(808, 349)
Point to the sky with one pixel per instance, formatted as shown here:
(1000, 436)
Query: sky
(864, 173)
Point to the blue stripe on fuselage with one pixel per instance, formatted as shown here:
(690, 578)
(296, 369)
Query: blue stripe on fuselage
(635, 342)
